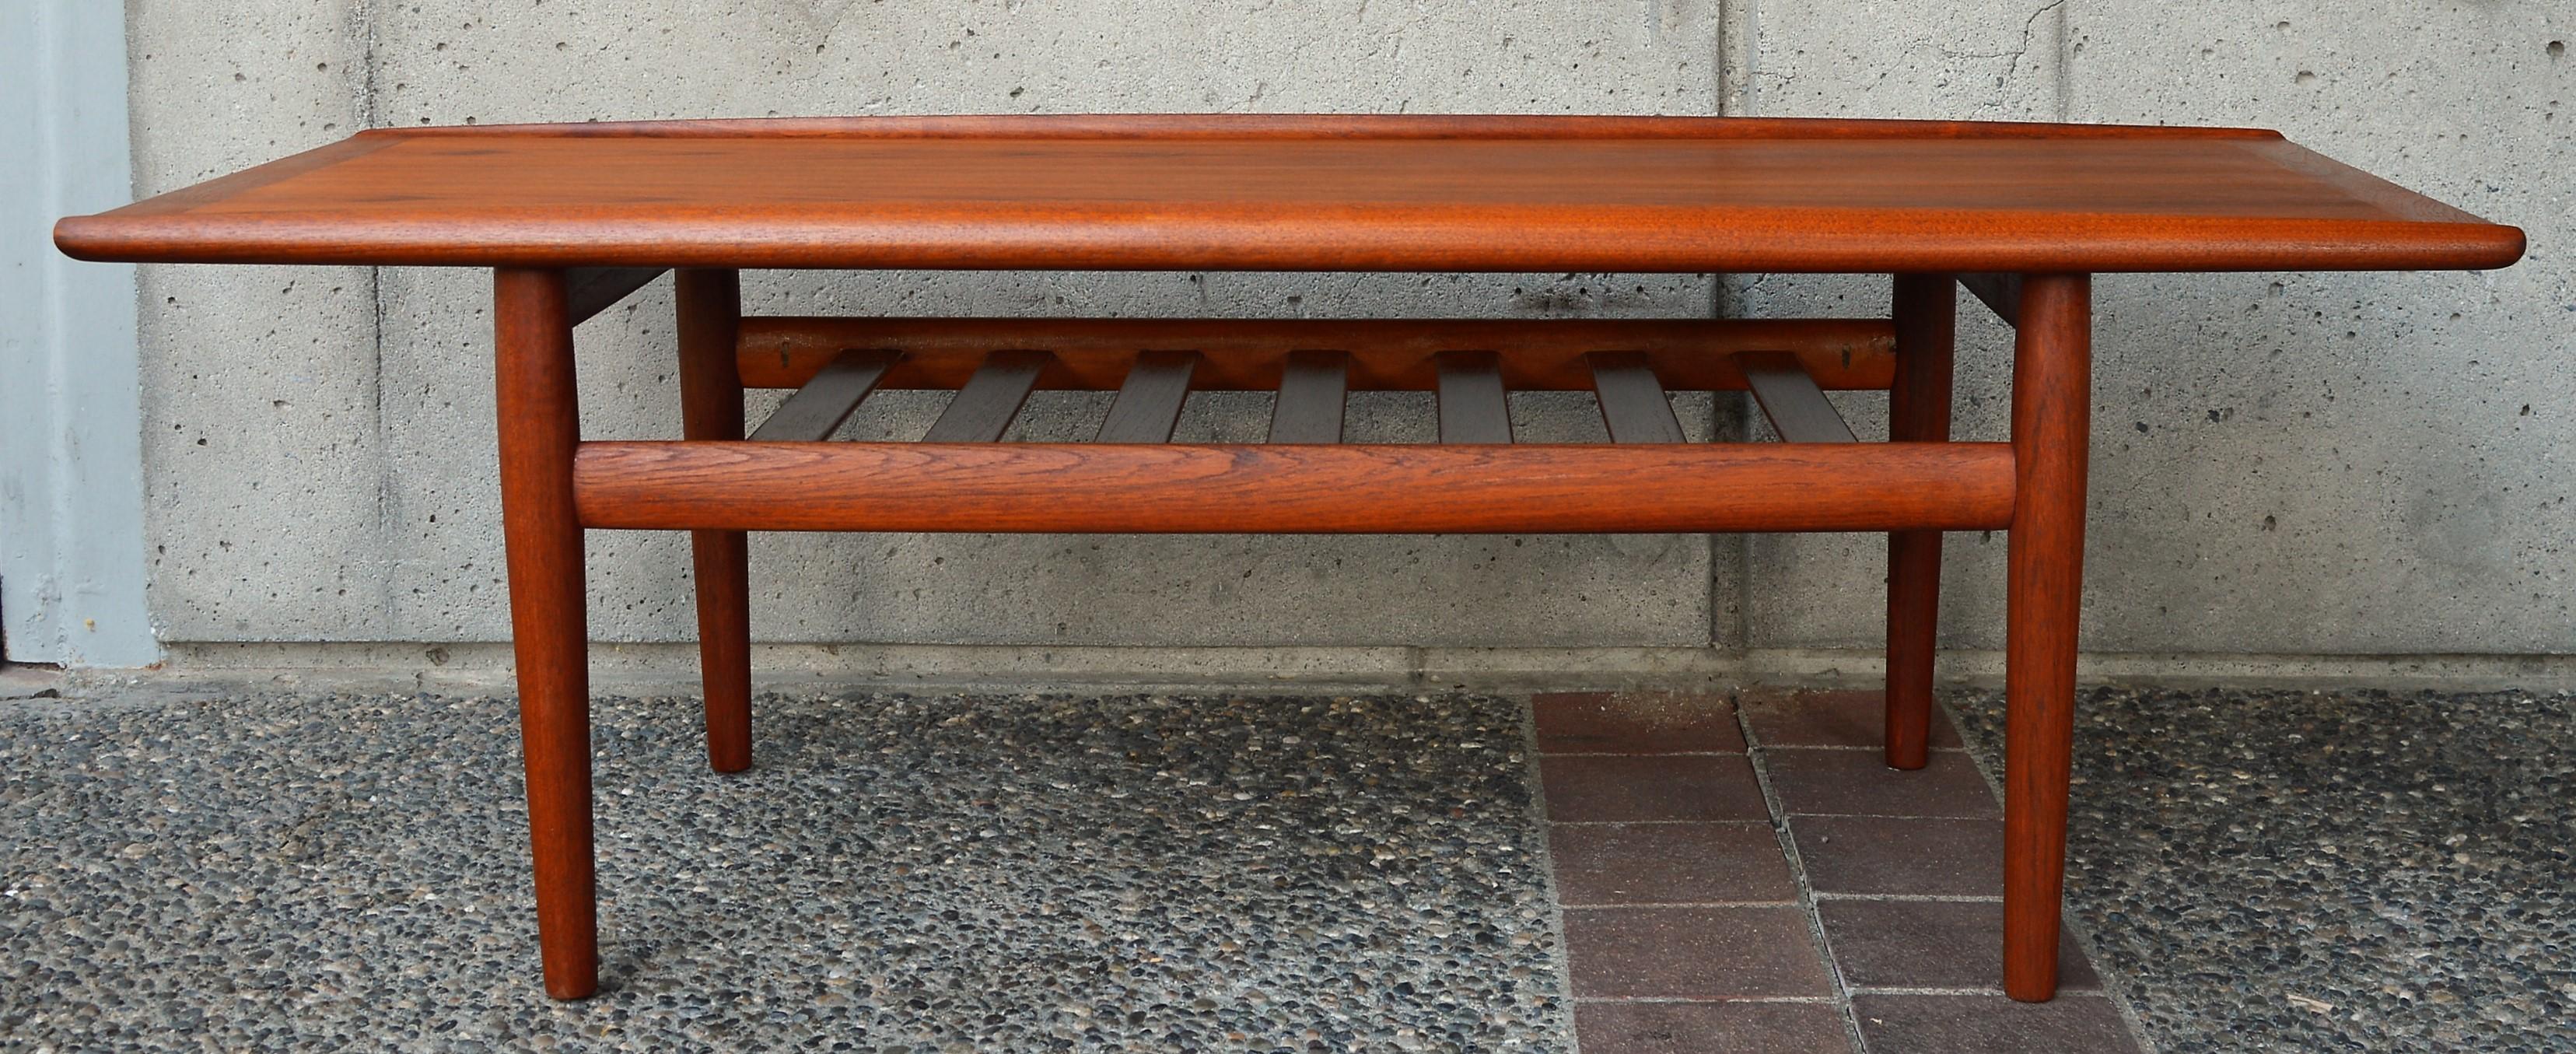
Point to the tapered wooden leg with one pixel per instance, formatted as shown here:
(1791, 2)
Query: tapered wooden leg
(2052, 413)
(1918, 410)
(710, 307)
(540, 425)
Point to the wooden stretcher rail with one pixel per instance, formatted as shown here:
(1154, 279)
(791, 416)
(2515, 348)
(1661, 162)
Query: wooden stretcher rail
(1348, 489)
(1385, 354)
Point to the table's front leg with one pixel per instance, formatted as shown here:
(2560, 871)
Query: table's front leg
(2051, 421)
(540, 427)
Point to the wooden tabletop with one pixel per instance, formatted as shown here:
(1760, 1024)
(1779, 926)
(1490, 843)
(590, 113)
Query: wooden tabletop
(1373, 193)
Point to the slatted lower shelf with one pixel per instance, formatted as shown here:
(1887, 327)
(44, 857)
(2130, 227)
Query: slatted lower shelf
(961, 477)
(994, 364)
(1096, 354)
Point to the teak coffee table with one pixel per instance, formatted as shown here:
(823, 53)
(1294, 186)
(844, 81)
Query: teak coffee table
(573, 217)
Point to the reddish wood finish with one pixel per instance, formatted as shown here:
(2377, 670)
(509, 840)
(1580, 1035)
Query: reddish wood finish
(539, 418)
(1918, 410)
(2051, 414)
(1283, 489)
(709, 304)
(1095, 354)
(2023, 212)
(1189, 126)
(1339, 194)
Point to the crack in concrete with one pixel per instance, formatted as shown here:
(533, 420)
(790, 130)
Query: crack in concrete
(2029, 26)
(362, 15)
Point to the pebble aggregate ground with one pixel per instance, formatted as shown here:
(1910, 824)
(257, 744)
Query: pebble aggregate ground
(2327, 871)
(278, 870)
(917, 874)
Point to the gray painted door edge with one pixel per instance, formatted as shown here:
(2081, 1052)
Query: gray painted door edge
(72, 563)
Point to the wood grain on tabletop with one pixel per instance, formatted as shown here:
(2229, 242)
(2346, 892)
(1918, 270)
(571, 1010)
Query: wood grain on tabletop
(1309, 193)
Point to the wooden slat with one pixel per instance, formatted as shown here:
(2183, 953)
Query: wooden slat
(1474, 408)
(983, 408)
(1149, 403)
(591, 290)
(1246, 355)
(1632, 399)
(1797, 408)
(1313, 386)
(830, 398)
(1350, 488)
(2001, 292)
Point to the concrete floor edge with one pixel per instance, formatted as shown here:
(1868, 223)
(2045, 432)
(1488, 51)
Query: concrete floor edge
(791, 667)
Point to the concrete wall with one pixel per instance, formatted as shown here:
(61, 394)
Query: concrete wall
(2286, 464)
(2283, 464)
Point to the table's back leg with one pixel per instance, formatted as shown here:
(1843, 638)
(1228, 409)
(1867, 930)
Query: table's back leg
(2051, 414)
(539, 429)
(1918, 410)
(710, 309)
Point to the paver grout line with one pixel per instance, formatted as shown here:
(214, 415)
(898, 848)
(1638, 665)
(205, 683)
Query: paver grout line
(1852, 749)
(2114, 987)
(1937, 898)
(1641, 754)
(1802, 1000)
(1547, 871)
(1682, 904)
(1659, 823)
(1998, 817)
(1798, 879)
(1882, 989)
